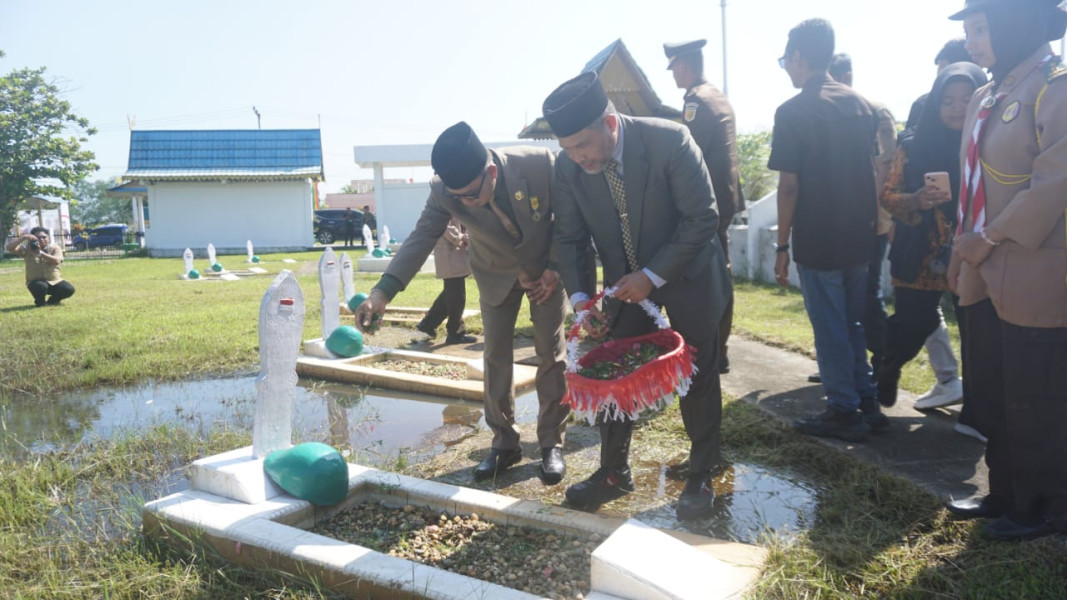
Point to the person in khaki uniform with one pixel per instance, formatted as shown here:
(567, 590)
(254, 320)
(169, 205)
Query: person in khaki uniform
(1009, 264)
(452, 266)
(710, 119)
(504, 199)
(43, 260)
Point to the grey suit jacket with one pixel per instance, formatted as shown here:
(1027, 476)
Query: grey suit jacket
(671, 209)
(496, 258)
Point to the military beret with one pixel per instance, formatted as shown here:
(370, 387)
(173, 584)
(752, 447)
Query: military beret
(458, 156)
(972, 6)
(677, 49)
(575, 104)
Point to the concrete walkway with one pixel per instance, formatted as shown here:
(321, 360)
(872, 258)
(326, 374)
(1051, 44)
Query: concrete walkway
(922, 447)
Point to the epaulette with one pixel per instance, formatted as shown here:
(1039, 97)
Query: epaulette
(1055, 69)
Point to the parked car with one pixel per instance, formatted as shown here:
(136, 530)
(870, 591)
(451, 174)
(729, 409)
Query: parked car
(329, 224)
(105, 236)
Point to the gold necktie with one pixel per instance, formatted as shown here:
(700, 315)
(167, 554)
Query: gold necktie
(505, 220)
(618, 192)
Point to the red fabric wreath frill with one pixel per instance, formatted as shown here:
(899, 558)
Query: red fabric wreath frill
(652, 385)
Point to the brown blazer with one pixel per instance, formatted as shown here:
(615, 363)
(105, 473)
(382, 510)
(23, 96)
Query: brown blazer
(495, 257)
(710, 120)
(1024, 170)
(450, 260)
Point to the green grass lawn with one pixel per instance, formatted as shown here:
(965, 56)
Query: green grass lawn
(70, 521)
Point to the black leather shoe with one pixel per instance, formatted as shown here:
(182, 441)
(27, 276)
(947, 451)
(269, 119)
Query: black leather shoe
(988, 507)
(497, 461)
(695, 501)
(603, 486)
(815, 378)
(724, 365)
(553, 468)
(845, 425)
(872, 414)
(1007, 529)
(460, 339)
(430, 332)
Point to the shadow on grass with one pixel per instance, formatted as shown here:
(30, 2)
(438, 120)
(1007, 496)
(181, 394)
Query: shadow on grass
(10, 309)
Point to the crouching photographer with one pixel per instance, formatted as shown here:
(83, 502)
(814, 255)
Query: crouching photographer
(43, 259)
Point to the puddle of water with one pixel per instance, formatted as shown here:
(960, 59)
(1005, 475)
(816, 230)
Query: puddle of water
(750, 501)
(375, 423)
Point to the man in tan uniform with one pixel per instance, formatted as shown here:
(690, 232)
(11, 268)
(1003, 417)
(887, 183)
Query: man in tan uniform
(710, 120)
(504, 199)
(42, 267)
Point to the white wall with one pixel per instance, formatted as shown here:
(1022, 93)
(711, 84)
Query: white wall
(276, 216)
(400, 208)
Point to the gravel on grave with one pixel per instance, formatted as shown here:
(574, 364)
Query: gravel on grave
(547, 564)
(455, 372)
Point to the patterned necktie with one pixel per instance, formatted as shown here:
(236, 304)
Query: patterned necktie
(618, 192)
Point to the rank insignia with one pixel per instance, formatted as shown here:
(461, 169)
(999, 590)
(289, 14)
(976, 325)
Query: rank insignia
(1010, 112)
(690, 111)
(519, 196)
(536, 216)
(535, 203)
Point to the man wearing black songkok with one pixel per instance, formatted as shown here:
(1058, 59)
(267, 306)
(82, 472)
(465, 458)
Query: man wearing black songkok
(504, 199)
(663, 247)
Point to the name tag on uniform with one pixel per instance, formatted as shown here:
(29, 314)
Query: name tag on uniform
(690, 111)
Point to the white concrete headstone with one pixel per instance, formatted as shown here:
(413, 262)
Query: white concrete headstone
(281, 325)
(368, 239)
(348, 289)
(187, 256)
(329, 284)
(248, 245)
(211, 253)
(386, 239)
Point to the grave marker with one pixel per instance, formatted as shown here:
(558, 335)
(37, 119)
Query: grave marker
(385, 236)
(368, 239)
(329, 284)
(187, 256)
(348, 288)
(248, 246)
(211, 254)
(281, 325)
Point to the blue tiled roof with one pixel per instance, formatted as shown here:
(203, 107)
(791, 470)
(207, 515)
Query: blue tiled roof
(244, 152)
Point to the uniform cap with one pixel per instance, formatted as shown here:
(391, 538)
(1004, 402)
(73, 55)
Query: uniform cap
(458, 156)
(575, 104)
(673, 51)
(972, 6)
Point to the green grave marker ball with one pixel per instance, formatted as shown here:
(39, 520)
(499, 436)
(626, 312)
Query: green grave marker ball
(255, 259)
(310, 471)
(355, 301)
(392, 240)
(388, 252)
(346, 341)
(194, 274)
(377, 253)
(216, 267)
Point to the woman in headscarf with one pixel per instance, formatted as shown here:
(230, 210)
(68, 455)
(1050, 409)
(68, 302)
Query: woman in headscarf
(925, 220)
(1009, 264)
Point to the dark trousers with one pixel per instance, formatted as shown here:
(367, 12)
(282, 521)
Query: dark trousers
(1035, 408)
(917, 316)
(449, 304)
(982, 355)
(726, 323)
(54, 292)
(701, 407)
(350, 235)
(875, 317)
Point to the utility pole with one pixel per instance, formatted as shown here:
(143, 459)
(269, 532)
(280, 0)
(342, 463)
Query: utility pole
(724, 85)
(258, 122)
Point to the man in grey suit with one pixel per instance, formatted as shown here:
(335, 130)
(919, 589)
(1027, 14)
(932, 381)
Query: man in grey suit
(639, 190)
(504, 199)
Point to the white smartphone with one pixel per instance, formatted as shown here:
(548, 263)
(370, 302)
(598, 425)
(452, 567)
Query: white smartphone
(940, 181)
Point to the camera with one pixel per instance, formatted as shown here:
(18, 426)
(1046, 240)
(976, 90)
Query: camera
(34, 245)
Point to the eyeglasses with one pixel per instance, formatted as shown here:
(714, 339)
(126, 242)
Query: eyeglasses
(781, 62)
(469, 195)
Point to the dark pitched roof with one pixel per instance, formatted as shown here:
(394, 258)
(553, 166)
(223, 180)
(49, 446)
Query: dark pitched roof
(226, 154)
(625, 84)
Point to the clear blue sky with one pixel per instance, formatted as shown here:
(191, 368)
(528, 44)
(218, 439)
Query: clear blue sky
(398, 72)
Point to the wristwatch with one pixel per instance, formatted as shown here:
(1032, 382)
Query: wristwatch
(781, 248)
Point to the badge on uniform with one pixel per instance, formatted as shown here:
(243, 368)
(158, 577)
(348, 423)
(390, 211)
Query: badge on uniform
(988, 101)
(535, 204)
(690, 111)
(1010, 112)
(519, 196)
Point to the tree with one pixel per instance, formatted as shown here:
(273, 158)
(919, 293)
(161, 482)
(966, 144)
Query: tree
(40, 152)
(753, 150)
(92, 206)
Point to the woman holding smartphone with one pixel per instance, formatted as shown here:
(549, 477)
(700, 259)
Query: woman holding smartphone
(1009, 264)
(922, 193)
